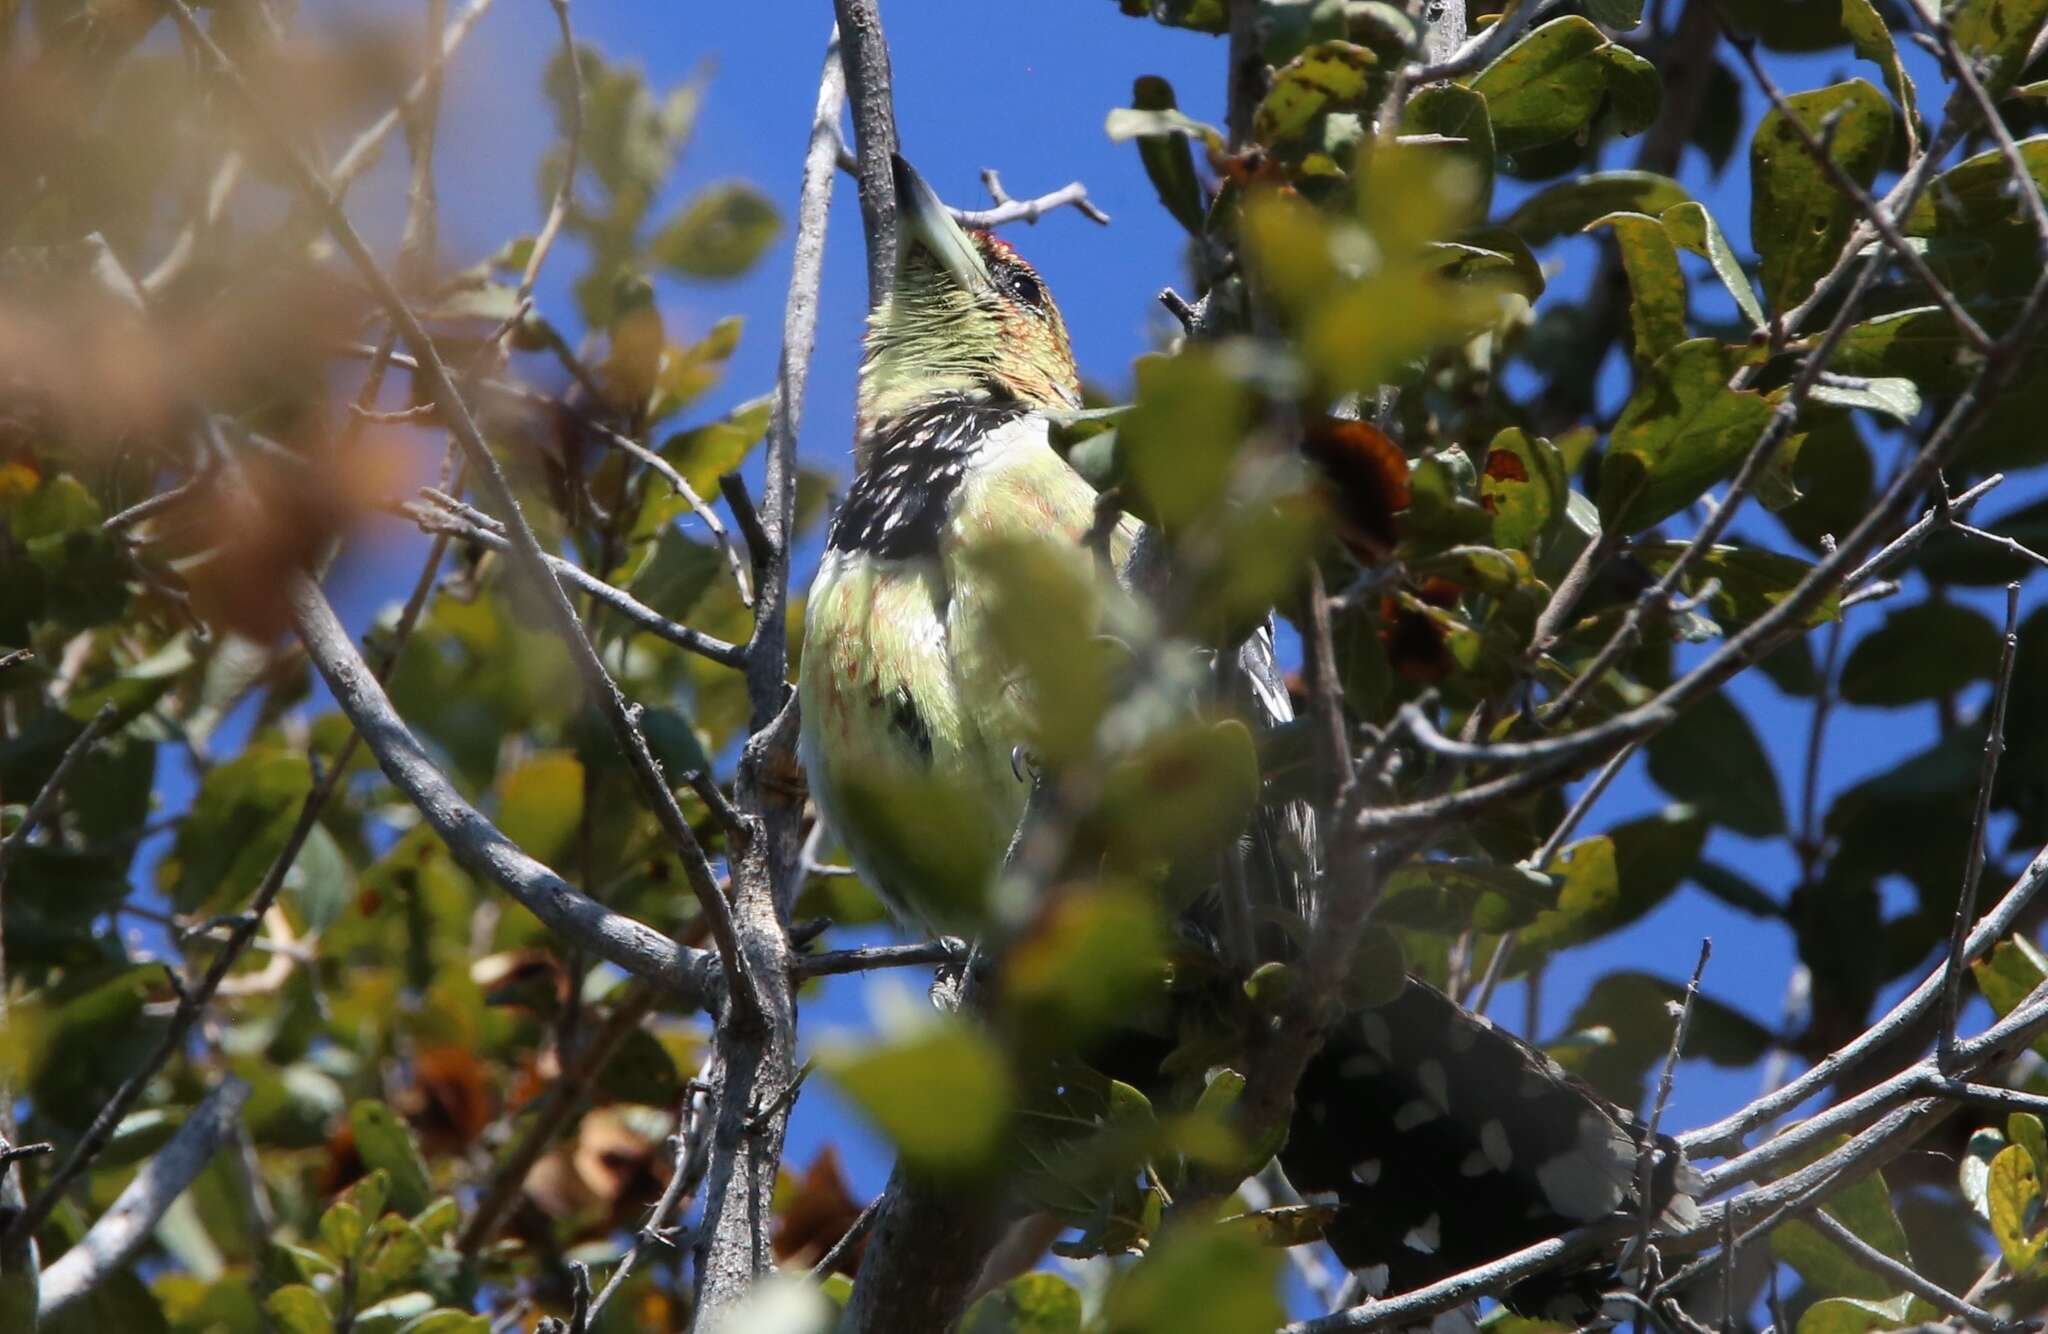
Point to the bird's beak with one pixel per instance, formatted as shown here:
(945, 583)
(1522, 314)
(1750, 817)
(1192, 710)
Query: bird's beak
(923, 221)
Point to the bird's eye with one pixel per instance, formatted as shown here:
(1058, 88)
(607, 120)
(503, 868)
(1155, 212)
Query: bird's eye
(1026, 289)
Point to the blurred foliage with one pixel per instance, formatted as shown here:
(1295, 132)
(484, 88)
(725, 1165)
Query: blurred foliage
(1431, 417)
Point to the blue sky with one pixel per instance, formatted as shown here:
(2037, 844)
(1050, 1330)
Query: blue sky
(1024, 89)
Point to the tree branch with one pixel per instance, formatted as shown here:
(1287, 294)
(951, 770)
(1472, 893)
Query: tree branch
(757, 1075)
(864, 52)
(135, 1213)
(690, 974)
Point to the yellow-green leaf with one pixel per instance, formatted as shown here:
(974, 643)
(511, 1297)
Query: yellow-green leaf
(2015, 1197)
(942, 1093)
(1681, 431)
(1657, 299)
(540, 803)
(1798, 219)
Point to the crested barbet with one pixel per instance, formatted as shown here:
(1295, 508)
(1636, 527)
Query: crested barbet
(1442, 1140)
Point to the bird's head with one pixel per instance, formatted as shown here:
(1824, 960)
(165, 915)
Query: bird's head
(967, 317)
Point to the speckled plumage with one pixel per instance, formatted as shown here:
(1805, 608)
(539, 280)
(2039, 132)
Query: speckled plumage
(900, 685)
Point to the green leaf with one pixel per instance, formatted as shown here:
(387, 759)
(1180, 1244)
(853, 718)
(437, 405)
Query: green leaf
(1635, 91)
(1657, 302)
(1043, 605)
(2014, 1192)
(1996, 36)
(1451, 894)
(1832, 476)
(1197, 1280)
(309, 1263)
(1210, 16)
(447, 1321)
(1568, 207)
(1798, 220)
(1922, 652)
(1457, 112)
(540, 803)
(703, 454)
(245, 812)
(1682, 431)
(1179, 440)
(1735, 890)
(1976, 195)
(642, 1071)
(438, 1219)
(1039, 1303)
(2009, 974)
(1692, 228)
(941, 1093)
(1865, 1209)
(676, 573)
(1185, 793)
(341, 1229)
(1169, 161)
(1637, 1011)
(1089, 960)
(384, 1142)
(1329, 76)
(1872, 40)
(686, 372)
(1921, 345)
(1138, 123)
(391, 1314)
(1613, 879)
(297, 1309)
(1547, 86)
(2025, 1129)
(1854, 1315)
(1891, 396)
(320, 880)
(1621, 14)
(392, 1254)
(719, 234)
(1524, 484)
(1711, 758)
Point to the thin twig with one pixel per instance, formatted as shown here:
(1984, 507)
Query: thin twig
(439, 519)
(1936, 518)
(681, 486)
(1980, 821)
(363, 152)
(1548, 751)
(1646, 1156)
(1072, 195)
(921, 954)
(856, 1232)
(565, 189)
(562, 1099)
(45, 800)
(691, 1158)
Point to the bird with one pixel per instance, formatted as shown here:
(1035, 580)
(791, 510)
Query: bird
(1435, 1139)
